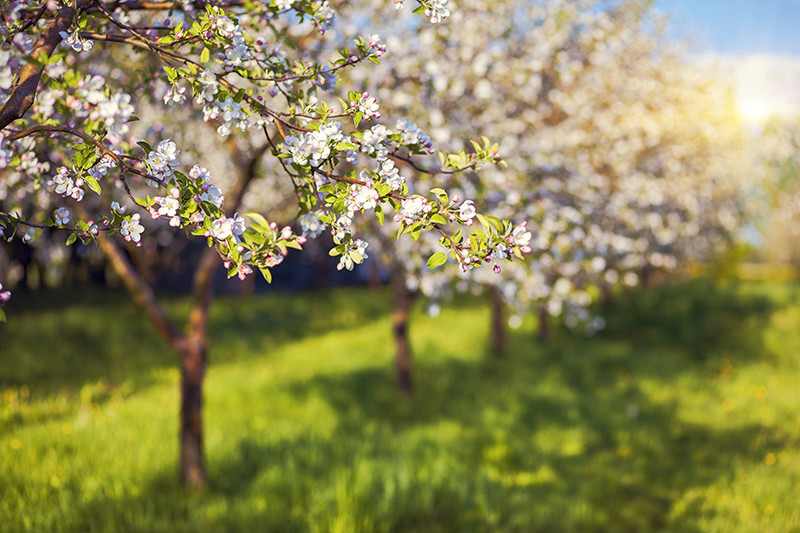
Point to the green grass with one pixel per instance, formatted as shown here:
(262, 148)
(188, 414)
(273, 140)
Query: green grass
(684, 415)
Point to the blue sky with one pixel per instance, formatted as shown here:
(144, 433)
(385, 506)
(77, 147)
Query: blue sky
(737, 26)
(757, 40)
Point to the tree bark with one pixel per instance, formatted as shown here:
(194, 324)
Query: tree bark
(607, 296)
(27, 79)
(192, 346)
(544, 324)
(646, 276)
(498, 322)
(403, 302)
(194, 353)
(193, 467)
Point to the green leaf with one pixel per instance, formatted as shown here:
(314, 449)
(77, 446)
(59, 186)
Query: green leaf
(438, 219)
(267, 274)
(484, 223)
(146, 147)
(419, 10)
(171, 73)
(205, 55)
(89, 158)
(260, 220)
(2, 316)
(437, 259)
(91, 182)
(379, 214)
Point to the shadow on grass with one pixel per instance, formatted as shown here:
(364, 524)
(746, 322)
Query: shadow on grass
(63, 340)
(703, 318)
(500, 446)
(554, 437)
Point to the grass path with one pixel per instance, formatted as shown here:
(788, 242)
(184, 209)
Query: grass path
(684, 415)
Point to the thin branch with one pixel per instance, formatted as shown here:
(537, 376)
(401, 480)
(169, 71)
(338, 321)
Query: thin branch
(410, 162)
(124, 168)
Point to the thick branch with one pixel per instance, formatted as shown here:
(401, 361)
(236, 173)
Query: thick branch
(141, 292)
(27, 81)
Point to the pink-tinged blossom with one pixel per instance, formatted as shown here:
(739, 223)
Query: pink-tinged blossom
(63, 182)
(222, 228)
(410, 209)
(75, 42)
(362, 197)
(199, 173)
(368, 106)
(168, 206)
(467, 212)
(131, 229)
(378, 46)
(4, 295)
(437, 11)
(175, 95)
(521, 236)
(354, 253)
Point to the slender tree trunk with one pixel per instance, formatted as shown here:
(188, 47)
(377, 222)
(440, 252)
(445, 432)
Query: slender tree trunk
(544, 324)
(194, 353)
(192, 346)
(646, 276)
(403, 301)
(193, 467)
(498, 322)
(607, 297)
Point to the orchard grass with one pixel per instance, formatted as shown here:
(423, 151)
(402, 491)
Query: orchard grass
(684, 415)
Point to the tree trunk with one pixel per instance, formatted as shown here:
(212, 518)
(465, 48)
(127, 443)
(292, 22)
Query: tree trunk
(544, 324)
(194, 354)
(607, 296)
(193, 365)
(193, 345)
(646, 276)
(403, 301)
(498, 322)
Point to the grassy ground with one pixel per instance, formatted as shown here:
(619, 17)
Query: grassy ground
(682, 416)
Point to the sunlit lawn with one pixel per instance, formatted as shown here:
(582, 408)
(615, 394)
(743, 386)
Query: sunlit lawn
(684, 415)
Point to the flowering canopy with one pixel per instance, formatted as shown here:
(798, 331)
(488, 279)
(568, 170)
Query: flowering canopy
(74, 75)
(622, 154)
